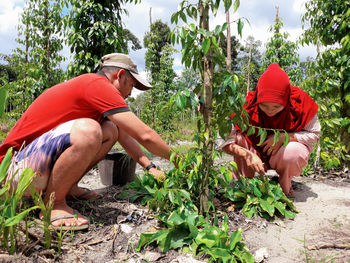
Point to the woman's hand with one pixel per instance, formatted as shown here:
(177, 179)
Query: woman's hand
(268, 146)
(254, 162)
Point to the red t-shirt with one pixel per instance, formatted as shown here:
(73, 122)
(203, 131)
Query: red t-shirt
(87, 96)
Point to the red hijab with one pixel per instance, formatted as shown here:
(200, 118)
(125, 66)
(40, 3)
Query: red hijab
(274, 86)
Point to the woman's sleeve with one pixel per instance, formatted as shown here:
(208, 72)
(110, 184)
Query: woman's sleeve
(310, 134)
(231, 139)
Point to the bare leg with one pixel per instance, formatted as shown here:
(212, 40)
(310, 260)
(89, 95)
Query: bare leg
(110, 136)
(289, 161)
(88, 145)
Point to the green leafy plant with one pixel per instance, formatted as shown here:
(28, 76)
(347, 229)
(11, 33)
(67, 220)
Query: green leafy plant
(11, 209)
(260, 196)
(187, 229)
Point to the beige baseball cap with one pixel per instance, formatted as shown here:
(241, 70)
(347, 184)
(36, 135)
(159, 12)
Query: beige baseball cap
(124, 61)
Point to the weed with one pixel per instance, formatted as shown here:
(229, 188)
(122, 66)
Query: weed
(11, 212)
(260, 196)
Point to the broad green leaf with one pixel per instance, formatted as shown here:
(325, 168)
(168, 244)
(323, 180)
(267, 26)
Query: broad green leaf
(220, 253)
(251, 131)
(181, 101)
(5, 164)
(239, 26)
(286, 139)
(19, 217)
(276, 137)
(3, 98)
(280, 207)
(178, 238)
(148, 238)
(175, 219)
(289, 214)
(270, 209)
(262, 137)
(235, 238)
(206, 46)
(236, 5)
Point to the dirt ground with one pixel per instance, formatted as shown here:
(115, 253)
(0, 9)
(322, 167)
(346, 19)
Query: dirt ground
(320, 231)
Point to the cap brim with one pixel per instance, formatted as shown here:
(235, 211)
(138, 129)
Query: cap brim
(142, 84)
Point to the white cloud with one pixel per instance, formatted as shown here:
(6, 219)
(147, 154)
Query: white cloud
(9, 16)
(261, 15)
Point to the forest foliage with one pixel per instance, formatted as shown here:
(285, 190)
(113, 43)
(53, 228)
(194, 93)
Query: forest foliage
(205, 94)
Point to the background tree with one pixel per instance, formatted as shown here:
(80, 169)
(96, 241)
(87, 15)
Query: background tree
(155, 40)
(282, 51)
(249, 62)
(96, 29)
(329, 24)
(37, 62)
(234, 50)
(201, 51)
(159, 66)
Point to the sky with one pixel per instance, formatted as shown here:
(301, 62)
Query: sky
(260, 14)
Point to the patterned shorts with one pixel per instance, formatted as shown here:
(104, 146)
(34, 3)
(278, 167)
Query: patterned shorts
(41, 155)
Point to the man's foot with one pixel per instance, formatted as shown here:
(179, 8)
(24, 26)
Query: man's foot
(82, 193)
(67, 218)
(290, 193)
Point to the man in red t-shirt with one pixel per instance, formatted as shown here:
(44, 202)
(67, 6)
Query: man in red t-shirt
(73, 125)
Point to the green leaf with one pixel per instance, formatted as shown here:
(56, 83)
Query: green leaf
(251, 131)
(276, 137)
(175, 219)
(235, 238)
(206, 46)
(19, 217)
(270, 209)
(5, 164)
(240, 27)
(236, 5)
(181, 101)
(148, 238)
(262, 137)
(3, 98)
(286, 139)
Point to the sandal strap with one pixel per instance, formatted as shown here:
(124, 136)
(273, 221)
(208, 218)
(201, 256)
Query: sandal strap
(75, 215)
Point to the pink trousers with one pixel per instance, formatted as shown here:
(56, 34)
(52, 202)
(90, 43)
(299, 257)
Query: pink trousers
(287, 162)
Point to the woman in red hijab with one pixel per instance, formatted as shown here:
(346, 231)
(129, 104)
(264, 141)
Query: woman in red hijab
(276, 104)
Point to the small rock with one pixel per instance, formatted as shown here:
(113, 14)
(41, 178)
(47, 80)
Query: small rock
(261, 254)
(262, 225)
(280, 223)
(121, 219)
(126, 228)
(152, 256)
(185, 259)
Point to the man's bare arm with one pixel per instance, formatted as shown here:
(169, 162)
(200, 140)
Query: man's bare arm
(129, 123)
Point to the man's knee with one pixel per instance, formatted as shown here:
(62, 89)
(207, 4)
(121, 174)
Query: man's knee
(86, 132)
(110, 131)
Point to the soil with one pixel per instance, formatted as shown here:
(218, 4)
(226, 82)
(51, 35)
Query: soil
(320, 231)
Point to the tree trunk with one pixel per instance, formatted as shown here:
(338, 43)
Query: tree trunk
(47, 44)
(229, 58)
(249, 61)
(208, 142)
(150, 19)
(344, 133)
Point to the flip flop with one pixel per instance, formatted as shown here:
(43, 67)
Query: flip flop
(85, 195)
(63, 227)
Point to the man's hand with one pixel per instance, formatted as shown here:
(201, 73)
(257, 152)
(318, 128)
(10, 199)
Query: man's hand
(158, 174)
(254, 162)
(271, 149)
